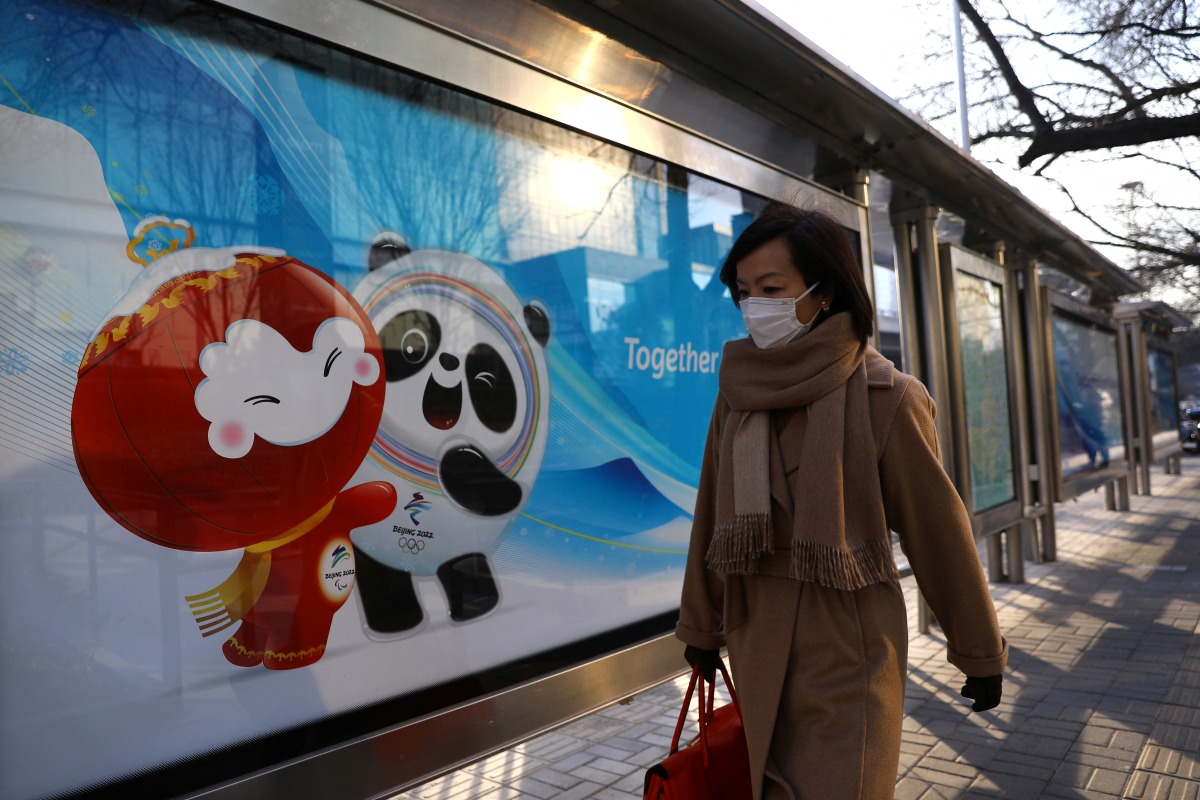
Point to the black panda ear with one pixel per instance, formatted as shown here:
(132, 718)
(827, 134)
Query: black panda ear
(386, 248)
(538, 324)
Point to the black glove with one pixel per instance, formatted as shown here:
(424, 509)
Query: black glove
(705, 660)
(984, 691)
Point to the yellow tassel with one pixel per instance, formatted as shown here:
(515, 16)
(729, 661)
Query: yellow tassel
(220, 607)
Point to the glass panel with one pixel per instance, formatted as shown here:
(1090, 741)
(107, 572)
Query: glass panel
(384, 386)
(985, 379)
(883, 253)
(883, 243)
(1090, 427)
(1163, 407)
(950, 227)
(887, 313)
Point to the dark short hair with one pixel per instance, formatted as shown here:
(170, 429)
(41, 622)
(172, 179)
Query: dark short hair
(820, 250)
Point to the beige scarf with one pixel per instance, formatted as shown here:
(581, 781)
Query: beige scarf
(839, 535)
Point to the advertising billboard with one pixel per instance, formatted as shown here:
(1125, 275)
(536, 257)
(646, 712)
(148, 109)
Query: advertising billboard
(325, 386)
(1088, 389)
(1163, 405)
(985, 381)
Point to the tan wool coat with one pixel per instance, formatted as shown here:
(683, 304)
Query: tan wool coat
(820, 672)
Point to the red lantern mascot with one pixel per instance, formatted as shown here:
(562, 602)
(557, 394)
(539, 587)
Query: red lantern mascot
(225, 406)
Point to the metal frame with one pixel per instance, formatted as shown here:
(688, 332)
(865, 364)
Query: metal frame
(1165, 444)
(382, 763)
(397, 37)
(1008, 513)
(1038, 397)
(1150, 446)
(1117, 474)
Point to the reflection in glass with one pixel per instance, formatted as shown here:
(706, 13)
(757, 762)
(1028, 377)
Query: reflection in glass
(1089, 394)
(887, 313)
(985, 381)
(1162, 390)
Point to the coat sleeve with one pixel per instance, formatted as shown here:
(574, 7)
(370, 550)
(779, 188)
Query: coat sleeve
(925, 510)
(702, 602)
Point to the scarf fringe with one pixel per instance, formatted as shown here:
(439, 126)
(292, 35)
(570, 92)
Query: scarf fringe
(838, 568)
(736, 547)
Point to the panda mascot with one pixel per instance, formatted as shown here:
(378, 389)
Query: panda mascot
(463, 429)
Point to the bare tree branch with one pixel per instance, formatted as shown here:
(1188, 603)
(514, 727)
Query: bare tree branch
(1122, 133)
(1022, 94)
(1122, 87)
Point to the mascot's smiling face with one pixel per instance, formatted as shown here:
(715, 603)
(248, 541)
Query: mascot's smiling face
(257, 384)
(467, 392)
(455, 377)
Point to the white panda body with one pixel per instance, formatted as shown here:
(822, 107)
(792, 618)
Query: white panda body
(466, 410)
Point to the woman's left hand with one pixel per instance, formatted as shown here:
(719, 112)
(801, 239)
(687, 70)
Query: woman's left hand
(985, 692)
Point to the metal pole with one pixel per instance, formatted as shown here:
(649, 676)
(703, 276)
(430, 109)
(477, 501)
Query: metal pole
(858, 188)
(1141, 390)
(915, 358)
(1041, 405)
(961, 81)
(1018, 395)
(935, 374)
(906, 288)
(1125, 370)
(954, 402)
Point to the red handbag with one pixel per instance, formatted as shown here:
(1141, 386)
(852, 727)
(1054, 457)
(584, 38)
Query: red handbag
(713, 766)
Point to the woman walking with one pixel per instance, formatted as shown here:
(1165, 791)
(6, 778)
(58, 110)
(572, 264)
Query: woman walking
(817, 447)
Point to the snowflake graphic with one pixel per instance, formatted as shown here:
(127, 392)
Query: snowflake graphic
(264, 194)
(89, 110)
(13, 361)
(70, 358)
(142, 189)
(40, 261)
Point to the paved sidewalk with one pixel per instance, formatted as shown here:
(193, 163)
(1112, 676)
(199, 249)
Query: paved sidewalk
(1102, 694)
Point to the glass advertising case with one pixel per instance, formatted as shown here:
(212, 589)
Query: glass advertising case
(335, 396)
(987, 400)
(1088, 394)
(1164, 407)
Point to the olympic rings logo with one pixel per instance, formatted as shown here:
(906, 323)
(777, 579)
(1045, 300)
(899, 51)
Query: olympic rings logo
(412, 545)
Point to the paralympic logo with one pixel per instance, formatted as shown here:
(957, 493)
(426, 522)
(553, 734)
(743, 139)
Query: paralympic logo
(416, 506)
(339, 555)
(342, 578)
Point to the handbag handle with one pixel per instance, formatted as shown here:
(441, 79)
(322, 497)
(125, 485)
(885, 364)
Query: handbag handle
(704, 718)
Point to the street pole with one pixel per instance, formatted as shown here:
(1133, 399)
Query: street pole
(961, 81)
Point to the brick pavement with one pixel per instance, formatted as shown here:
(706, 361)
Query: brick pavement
(1102, 694)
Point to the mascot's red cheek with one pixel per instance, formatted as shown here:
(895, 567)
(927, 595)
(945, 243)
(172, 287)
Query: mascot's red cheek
(142, 447)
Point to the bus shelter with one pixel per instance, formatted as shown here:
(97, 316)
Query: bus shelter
(541, 191)
(969, 326)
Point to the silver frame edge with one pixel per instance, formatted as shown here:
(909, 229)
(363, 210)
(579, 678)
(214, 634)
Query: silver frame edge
(393, 36)
(389, 761)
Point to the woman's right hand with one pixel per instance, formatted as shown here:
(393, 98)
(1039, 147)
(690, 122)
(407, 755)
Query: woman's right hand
(705, 660)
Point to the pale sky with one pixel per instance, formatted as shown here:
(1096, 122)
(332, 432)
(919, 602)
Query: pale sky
(882, 48)
(874, 45)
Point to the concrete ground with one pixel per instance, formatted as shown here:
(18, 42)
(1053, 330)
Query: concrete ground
(1101, 700)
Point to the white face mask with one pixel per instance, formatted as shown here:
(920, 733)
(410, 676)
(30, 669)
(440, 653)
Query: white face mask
(772, 321)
